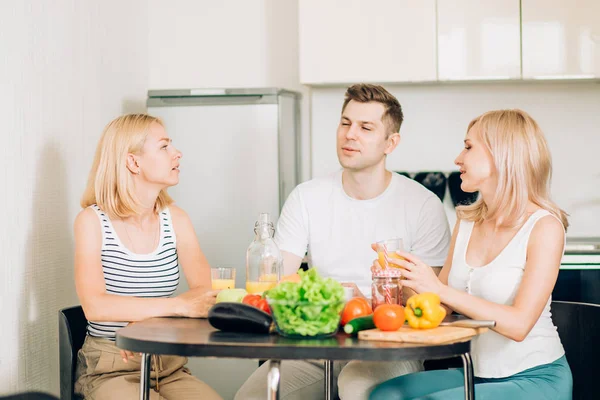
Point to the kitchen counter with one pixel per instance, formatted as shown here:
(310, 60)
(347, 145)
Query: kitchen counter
(583, 245)
(580, 261)
(579, 276)
(581, 253)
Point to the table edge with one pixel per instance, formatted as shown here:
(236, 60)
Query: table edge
(291, 352)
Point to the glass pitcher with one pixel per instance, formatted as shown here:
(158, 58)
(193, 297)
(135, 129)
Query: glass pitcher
(263, 258)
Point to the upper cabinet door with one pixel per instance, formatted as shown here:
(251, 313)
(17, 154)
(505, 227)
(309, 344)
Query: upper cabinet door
(561, 39)
(345, 41)
(479, 39)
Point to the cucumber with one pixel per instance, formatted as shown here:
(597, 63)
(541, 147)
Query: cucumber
(359, 324)
(239, 317)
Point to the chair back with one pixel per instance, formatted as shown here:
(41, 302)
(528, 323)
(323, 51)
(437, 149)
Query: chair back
(72, 326)
(578, 326)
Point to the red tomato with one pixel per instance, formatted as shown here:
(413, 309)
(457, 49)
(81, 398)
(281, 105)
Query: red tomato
(366, 302)
(256, 300)
(263, 305)
(356, 307)
(389, 317)
(251, 299)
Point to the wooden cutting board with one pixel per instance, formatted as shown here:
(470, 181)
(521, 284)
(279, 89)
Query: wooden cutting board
(441, 334)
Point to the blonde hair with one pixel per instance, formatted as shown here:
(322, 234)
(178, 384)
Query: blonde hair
(524, 166)
(110, 184)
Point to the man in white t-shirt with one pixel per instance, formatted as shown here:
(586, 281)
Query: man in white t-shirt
(336, 219)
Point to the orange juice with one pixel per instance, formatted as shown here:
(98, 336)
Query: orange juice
(265, 282)
(268, 278)
(382, 261)
(219, 284)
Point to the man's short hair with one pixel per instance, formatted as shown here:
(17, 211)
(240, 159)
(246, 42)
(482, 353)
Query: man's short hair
(365, 93)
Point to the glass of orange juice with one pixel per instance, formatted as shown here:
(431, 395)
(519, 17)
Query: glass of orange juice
(265, 282)
(222, 278)
(389, 246)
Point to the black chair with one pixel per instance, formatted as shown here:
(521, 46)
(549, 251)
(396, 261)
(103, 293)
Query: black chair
(578, 326)
(72, 326)
(29, 396)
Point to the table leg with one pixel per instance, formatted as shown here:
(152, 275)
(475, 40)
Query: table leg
(328, 380)
(145, 377)
(273, 379)
(469, 380)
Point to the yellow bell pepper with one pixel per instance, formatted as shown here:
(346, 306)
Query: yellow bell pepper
(423, 311)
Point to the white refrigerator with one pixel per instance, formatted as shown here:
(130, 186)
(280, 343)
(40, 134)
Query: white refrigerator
(241, 157)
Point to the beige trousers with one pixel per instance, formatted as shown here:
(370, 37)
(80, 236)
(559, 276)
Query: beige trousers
(103, 375)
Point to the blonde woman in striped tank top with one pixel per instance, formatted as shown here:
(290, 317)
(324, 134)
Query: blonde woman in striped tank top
(503, 263)
(130, 241)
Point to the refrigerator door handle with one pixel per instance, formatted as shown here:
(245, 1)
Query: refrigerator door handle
(211, 100)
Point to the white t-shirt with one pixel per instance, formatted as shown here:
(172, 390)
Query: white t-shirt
(338, 230)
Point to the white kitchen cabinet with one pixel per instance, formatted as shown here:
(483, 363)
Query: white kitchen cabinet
(478, 39)
(561, 39)
(345, 41)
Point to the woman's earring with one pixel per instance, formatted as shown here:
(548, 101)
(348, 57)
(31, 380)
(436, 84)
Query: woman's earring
(138, 171)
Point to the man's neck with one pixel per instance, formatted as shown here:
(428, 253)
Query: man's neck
(365, 185)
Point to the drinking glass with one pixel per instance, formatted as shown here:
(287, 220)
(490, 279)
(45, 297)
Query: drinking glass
(222, 278)
(389, 246)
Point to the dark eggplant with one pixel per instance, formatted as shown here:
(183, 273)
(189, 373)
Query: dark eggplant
(239, 317)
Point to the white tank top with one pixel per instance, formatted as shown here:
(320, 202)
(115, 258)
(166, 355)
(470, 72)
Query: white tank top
(494, 355)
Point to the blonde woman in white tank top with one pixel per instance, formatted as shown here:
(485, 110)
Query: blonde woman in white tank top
(503, 263)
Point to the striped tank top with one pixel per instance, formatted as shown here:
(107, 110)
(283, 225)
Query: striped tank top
(129, 274)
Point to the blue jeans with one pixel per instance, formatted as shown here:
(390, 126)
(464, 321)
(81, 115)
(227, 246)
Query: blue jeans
(545, 382)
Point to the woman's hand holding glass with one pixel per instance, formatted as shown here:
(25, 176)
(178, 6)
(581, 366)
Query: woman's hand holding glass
(418, 276)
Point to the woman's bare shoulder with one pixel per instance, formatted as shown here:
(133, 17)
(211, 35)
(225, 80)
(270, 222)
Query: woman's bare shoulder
(87, 226)
(548, 232)
(86, 217)
(177, 212)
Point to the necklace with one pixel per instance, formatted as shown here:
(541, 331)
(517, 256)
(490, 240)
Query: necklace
(131, 241)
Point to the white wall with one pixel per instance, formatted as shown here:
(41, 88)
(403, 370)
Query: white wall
(207, 44)
(436, 117)
(226, 44)
(67, 67)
